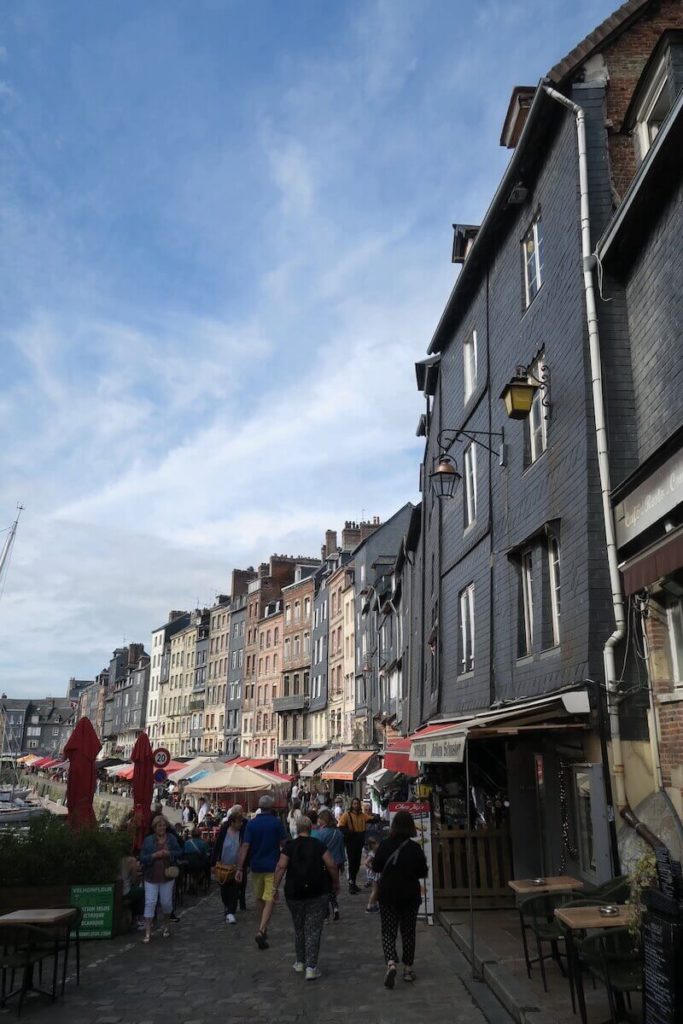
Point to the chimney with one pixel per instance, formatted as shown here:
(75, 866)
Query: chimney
(517, 113)
(330, 541)
(368, 528)
(135, 652)
(264, 571)
(172, 616)
(350, 536)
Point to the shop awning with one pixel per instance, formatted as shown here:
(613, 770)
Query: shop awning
(660, 559)
(381, 778)
(197, 764)
(552, 712)
(397, 757)
(42, 761)
(318, 763)
(255, 762)
(350, 766)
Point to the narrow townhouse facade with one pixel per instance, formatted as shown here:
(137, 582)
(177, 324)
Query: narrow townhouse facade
(349, 656)
(292, 703)
(13, 714)
(335, 653)
(233, 700)
(519, 607)
(317, 705)
(160, 674)
(130, 700)
(216, 683)
(268, 680)
(48, 725)
(640, 252)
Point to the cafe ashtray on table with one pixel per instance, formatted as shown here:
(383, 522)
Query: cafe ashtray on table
(608, 911)
(538, 881)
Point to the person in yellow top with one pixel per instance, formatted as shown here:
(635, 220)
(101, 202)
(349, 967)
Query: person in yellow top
(353, 824)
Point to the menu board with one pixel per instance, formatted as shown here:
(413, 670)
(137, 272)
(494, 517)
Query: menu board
(97, 904)
(662, 961)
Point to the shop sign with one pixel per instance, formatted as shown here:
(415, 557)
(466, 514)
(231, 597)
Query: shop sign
(450, 749)
(420, 812)
(656, 496)
(97, 904)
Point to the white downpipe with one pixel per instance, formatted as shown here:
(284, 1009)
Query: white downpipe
(603, 458)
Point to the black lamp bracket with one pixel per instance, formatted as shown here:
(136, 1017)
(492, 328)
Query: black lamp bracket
(542, 381)
(445, 442)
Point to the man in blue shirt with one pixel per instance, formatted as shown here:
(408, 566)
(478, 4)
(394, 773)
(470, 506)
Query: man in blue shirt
(263, 838)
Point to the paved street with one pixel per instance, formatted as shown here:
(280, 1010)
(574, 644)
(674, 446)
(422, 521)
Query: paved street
(208, 972)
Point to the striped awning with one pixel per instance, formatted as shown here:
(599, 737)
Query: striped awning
(350, 765)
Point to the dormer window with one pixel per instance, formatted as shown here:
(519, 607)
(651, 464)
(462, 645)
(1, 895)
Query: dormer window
(656, 91)
(653, 109)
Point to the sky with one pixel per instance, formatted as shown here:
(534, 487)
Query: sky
(226, 236)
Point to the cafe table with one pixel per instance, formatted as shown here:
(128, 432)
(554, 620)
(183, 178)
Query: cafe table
(48, 918)
(549, 884)
(582, 919)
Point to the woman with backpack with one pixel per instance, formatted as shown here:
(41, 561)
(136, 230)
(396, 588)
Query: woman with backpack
(310, 874)
(400, 864)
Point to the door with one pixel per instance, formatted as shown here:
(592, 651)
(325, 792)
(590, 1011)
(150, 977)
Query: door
(591, 827)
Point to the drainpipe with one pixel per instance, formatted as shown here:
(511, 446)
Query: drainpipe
(611, 683)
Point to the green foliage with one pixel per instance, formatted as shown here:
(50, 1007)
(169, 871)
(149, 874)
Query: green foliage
(643, 876)
(50, 852)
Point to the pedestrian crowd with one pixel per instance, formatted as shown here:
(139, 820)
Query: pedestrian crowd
(303, 854)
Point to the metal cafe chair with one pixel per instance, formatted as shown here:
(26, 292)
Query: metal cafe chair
(22, 948)
(574, 943)
(537, 915)
(614, 958)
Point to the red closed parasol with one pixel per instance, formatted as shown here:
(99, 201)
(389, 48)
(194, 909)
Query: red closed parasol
(143, 786)
(81, 749)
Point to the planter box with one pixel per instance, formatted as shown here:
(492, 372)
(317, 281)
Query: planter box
(104, 914)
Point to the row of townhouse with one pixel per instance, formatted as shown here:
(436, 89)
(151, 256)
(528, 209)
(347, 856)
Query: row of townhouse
(38, 726)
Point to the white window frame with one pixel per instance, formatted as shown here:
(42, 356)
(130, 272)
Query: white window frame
(469, 358)
(644, 130)
(538, 424)
(527, 566)
(470, 482)
(466, 606)
(555, 576)
(674, 622)
(534, 258)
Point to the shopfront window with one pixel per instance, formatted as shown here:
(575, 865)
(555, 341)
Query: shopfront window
(584, 820)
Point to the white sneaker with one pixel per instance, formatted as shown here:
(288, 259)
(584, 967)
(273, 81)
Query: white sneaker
(299, 967)
(230, 919)
(312, 973)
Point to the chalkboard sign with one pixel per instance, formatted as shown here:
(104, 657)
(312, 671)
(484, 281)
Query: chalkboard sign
(662, 959)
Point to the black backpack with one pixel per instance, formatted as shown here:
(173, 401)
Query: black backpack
(306, 872)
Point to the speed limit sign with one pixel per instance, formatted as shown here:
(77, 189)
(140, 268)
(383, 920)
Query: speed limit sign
(161, 757)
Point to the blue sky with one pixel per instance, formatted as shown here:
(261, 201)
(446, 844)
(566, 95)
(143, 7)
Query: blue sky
(226, 239)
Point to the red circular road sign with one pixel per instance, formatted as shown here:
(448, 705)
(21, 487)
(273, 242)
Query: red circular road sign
(161, 757)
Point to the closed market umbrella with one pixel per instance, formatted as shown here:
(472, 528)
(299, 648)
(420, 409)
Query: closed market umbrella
(143, 786)
(81, 749)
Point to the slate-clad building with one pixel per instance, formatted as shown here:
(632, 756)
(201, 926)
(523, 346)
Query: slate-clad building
(517, 605)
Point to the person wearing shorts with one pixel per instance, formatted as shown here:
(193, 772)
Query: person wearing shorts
(263, 839)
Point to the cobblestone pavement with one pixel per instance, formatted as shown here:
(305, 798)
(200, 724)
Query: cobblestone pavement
(209, 972)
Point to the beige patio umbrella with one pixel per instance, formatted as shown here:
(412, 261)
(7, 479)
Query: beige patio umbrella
(197, 764)
(234, 778)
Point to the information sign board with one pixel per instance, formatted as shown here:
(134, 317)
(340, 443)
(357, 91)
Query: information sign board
(97, 904)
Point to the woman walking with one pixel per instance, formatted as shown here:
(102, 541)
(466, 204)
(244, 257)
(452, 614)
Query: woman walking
(158, 856)
(353, 824)
(329, 834)
(311, 873)
(400, 864)
(224, 858)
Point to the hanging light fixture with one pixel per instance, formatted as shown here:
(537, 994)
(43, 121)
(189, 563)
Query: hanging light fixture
(445, 477)
(518, 394)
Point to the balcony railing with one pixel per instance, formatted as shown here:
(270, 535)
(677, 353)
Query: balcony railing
(295, 702)
(197, 704)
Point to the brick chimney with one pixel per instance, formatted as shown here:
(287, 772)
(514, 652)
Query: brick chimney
(172, 616)
(135, 652)
(350, 536)
(330, 542)
(241, 578)
(368, 528)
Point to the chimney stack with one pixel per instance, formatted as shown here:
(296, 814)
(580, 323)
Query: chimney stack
(330, 542)
(350, 536)
(367, 528)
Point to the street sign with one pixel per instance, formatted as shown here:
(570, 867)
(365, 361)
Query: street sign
(161, 757)
(160, 775)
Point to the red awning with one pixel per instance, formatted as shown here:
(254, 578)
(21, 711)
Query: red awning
(54, 762)
(42, 761)
(397, 757)
(255, 762)
(660, 559)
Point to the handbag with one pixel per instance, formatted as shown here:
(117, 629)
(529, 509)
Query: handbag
(224, 872)
(171, 871)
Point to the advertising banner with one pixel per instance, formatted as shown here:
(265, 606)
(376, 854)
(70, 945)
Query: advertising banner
(421, 814)
(97, 904)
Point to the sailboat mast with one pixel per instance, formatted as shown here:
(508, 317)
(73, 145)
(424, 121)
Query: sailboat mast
(7, 549)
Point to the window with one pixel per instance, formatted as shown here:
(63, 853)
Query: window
(674, 616)
(527, 601)
(240, 659)
(469, 353)
(537, 421)
(470, 489)
(307, 607)
(288, 613)
(288, 647)
(654, 107)
(276, 636)
(554, 574)
(467, 629)
(532, 253)
(307, 643)
(297, 611)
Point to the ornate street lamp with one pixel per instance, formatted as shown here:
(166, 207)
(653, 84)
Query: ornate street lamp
(445, 477)
(518, 393)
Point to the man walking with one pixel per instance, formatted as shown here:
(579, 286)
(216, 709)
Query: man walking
(263, 838)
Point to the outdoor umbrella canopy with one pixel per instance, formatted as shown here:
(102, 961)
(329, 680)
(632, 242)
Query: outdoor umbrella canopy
(235, 778)
(81, 749)
(143, 786)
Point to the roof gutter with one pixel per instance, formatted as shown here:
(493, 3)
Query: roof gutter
(497, 205)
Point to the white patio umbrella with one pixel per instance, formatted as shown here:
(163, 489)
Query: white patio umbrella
(234, 778)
